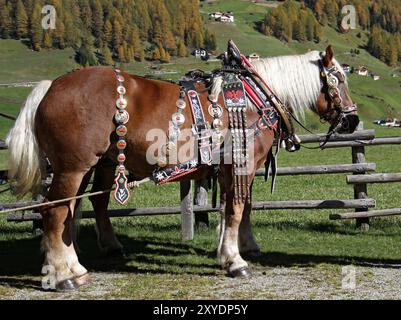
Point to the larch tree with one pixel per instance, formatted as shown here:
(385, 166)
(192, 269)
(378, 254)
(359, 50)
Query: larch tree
(21, 21)
(36, 30)
(6, 25)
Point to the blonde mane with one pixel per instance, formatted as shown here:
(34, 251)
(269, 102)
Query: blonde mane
(295, 79)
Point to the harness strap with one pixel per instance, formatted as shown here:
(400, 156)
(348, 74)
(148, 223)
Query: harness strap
(121, 191)
(235, 100)
(201, 128)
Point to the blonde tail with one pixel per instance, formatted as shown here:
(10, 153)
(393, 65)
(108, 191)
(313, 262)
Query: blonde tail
(25, 163)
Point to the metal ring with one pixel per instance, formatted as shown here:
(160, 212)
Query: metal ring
(332, 81)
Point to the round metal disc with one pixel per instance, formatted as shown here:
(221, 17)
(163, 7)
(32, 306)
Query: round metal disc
(121, 90)
(332, 81)
(178, 119)
(217, 110)
(121, 117)
(121, 103)
(121, 157)
(121, 131)
(121, 144)
(181, 104)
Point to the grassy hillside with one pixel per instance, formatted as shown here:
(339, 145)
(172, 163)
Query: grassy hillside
(375, 98)
(18, 63)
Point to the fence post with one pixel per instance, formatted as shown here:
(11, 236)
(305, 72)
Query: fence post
(37, 225)
(201, 199)
(360, 190)
(187, 210)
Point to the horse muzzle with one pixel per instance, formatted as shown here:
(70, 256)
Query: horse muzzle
(348, 123)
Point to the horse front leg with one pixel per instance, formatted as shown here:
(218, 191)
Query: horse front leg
(228, 253)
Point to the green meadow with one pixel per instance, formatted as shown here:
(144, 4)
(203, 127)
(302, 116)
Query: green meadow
(291, 238)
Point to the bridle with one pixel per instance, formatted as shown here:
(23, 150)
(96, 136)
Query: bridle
(331, 78)
(340, 118)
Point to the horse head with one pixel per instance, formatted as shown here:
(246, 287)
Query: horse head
(334, 103)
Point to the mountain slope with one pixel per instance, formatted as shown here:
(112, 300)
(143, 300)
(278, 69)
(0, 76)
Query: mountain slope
(376, 99)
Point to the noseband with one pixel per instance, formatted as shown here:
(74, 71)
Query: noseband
(332, 77)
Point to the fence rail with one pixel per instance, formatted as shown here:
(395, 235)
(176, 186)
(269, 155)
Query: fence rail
(192, 206)
(3, 145)
(367, 214)
(374, 178)
(261, 205)
(323, 169)
(364, 143)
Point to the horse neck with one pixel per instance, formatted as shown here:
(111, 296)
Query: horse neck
(294, 79)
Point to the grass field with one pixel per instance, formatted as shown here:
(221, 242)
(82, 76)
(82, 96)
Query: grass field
(158, 264)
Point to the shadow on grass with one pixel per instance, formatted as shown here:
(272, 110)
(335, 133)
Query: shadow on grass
(348, 229)
(280, 259)
(21, 260)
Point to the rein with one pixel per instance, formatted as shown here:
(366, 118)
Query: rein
(130, 185)
(320, 146)
(7, 116)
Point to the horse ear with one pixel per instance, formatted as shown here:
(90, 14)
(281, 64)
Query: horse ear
(328, 57)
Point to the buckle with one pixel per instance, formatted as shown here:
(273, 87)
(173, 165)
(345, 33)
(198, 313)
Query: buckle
(350, 109)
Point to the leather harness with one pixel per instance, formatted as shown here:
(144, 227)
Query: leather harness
(241, 83)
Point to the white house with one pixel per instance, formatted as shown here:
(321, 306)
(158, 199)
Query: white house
(375, 77)
(227, 17)
(362, 71)
(222, 17)
(346, 67)
(216, 15)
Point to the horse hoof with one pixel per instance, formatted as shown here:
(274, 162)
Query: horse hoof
(73, 284)
(82, 280)
(243, 272)
(66, 286)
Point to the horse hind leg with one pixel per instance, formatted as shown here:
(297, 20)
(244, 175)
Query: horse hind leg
(74, 229)
(61, 265)
(247, 242)
(107, 240)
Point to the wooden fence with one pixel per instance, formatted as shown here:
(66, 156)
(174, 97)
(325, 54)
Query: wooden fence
(3, 145)
(194, 196)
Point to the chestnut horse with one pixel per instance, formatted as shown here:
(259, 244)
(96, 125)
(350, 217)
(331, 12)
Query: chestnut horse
(70, 121)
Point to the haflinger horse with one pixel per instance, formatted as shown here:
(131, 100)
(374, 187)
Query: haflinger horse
(70, 121)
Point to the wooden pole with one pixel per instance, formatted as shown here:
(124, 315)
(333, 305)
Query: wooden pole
(366, 214)
(322, 169)
(360, 190)
(374, 142)
(374, 178)
(3, 145)
(261, 205)
(357, 135)
(201, 199)
(187, 211)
